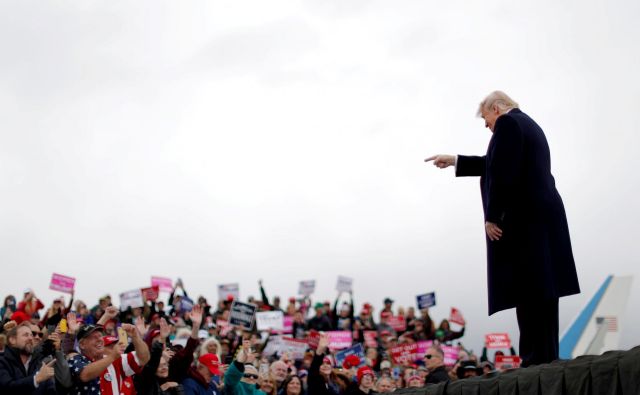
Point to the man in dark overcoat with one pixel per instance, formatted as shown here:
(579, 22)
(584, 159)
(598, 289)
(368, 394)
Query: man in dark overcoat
(529, 258)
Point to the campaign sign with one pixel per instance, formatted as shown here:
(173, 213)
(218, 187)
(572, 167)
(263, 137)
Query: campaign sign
(242, 314)
(62, 283)
(165, 284)
(397, 323)
(504, 362)
(186, 303)
(339, 340)
(294, 347)
(224, 327)
(287, 326)
(226, 290)
(405, 353)
(307, 287)
(131, 299)
(356, 350)
(423, 346)
(313, 339)
(150, 293)
(371, 339)
(273, 346)
(266, 320)
(450, 354)
(497, 340)
(456, 317)
(344, 284)
(426, 300)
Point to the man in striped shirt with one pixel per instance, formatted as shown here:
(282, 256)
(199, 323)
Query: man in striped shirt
(100, 370)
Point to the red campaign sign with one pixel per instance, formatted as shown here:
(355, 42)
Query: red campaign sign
(397, 323)
(371, 339)
(224, 327)
(456, 317)
(150, 293)
(406, 353)
(504, 362)
(313, 339)
(497, 340)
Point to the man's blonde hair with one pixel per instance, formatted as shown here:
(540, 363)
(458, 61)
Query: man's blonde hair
(498, 99)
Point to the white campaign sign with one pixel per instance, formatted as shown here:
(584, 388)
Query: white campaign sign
(307, 287)
(267, 320)
(344, 284)
(224, 290)
(131, 299)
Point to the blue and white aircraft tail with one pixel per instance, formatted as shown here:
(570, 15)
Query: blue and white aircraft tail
(597, 327)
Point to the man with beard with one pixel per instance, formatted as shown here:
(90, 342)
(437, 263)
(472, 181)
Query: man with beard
(21, 372)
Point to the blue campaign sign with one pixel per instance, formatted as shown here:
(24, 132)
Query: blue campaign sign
(426, 300)
(357, 350)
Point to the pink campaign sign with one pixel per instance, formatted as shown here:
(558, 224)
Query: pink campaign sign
(450, 354)
(339, 340)
(423, 346)
(165, 284)
(62, 283)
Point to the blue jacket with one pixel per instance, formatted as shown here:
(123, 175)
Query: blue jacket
(195, 384)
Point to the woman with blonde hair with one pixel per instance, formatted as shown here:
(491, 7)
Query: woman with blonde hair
(209, 346)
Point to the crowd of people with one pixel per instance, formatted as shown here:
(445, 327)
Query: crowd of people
(188, 347)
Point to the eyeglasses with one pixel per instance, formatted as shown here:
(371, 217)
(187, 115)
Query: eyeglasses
(250, 376)
(37, 334)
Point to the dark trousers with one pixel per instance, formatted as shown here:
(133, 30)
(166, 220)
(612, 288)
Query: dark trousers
(538, 323)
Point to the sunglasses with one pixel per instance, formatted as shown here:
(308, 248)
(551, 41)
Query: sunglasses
(250, 376)
(429, 356)
(37, 334)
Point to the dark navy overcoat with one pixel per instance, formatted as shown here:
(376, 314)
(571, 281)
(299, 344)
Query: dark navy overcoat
(533, 260)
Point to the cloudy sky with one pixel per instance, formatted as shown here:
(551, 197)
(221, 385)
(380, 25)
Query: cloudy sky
(231, 141)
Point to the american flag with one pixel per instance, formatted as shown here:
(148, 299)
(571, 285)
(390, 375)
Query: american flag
(610, 322)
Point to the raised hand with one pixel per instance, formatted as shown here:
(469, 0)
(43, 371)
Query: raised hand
(142, 327)
(132, 330)
(72, 323)
(111, 312)
(196, 316)
(165, 330)
(55, 337)
(323, 343)
(442, 161)
(168, 354)
(244, 351)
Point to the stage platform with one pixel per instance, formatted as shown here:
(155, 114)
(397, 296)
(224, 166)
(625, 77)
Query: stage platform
(612, 373)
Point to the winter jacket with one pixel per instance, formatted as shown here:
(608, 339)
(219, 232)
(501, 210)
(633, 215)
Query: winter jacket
(15, 380)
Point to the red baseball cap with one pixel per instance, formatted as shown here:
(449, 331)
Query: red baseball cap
(109, 340)
(212, 363)
(365, 370)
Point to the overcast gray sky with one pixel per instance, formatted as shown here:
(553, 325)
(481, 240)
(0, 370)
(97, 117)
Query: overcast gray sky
(283, 140)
